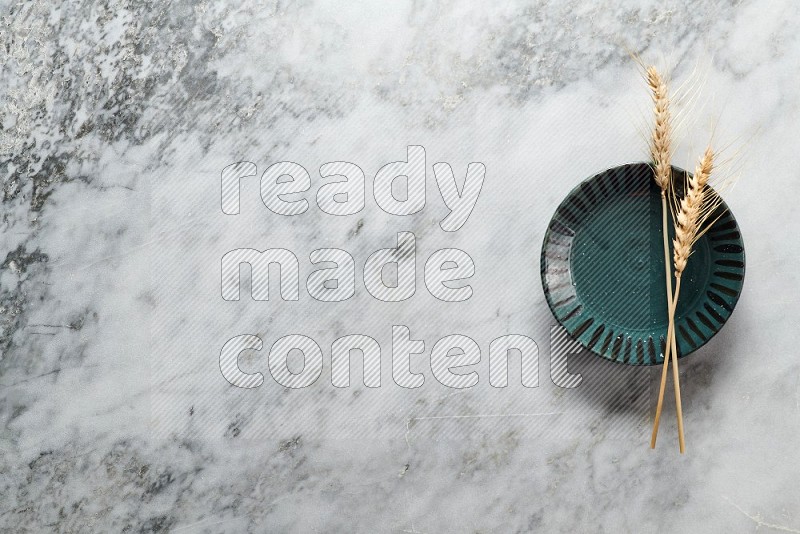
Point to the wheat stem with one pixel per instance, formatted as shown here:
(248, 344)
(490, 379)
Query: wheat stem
(662, 388)
(667, 279)
(675, 376)
(671, 351)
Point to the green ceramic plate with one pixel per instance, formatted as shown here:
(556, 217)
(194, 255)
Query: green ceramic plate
(602, 269)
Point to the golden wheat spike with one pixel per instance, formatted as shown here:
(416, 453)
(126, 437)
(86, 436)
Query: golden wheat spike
(660, 144)
(661, 140)
(695, 207)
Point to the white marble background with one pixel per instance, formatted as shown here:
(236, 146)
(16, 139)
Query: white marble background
(117, 118)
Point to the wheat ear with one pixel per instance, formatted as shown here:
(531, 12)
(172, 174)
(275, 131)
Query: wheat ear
(661, 154)
(695, 207)
(661, 140)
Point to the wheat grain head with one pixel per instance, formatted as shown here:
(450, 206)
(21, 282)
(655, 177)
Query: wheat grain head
(692, 212)
(661, 139)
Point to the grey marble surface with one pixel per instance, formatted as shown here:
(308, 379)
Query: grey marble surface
(117, 119)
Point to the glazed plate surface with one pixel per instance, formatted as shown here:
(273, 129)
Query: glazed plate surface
(602, 268)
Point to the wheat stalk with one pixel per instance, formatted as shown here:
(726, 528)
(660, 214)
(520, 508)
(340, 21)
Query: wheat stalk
(661, 153)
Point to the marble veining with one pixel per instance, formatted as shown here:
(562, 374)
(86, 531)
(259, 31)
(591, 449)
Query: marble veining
(117, 119)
